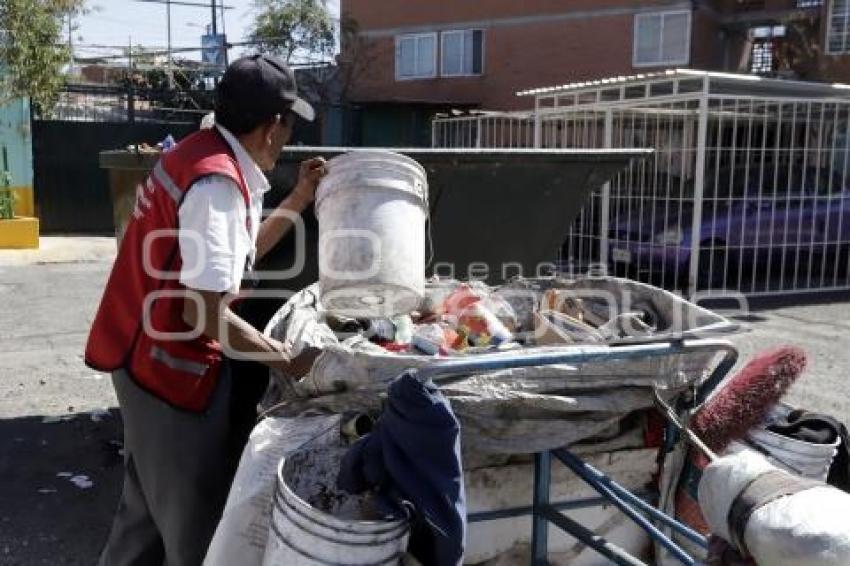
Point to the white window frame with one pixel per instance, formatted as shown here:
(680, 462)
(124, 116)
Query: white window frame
(829, 50)
(443, 35)
(689, 27)
(415, 37)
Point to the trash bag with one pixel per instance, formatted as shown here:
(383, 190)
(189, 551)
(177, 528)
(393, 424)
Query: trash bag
(776, 518)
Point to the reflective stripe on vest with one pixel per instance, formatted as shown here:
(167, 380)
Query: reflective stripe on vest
(179, 364)
(170, 186)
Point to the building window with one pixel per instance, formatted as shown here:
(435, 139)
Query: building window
(762, 57)
(662, 38)
(838, 32)
(809, 3)
(416, 56)
(462, 52)
(764, 40)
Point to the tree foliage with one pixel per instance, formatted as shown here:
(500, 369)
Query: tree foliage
(296, 30)
(801, 49)
(32, 54)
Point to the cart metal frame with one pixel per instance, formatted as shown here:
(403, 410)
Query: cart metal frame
(543, 511)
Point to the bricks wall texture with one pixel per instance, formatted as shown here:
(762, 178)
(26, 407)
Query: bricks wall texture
(541, 43)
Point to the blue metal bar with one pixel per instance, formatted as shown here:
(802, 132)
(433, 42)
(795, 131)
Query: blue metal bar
(539, 524)
(623, 506)
(444, 369)
(593, 476)
(568, 505)
(607, 549)
(720, 372)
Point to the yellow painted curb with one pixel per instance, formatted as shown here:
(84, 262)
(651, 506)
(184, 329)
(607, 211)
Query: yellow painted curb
(24, 201)
(20, 233)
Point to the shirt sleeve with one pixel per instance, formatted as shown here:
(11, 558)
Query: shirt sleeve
(214, 241)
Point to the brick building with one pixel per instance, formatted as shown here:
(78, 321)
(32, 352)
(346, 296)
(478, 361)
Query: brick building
(437, 53)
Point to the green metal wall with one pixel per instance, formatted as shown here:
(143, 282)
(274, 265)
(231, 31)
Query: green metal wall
(395, 126)
(72, 191)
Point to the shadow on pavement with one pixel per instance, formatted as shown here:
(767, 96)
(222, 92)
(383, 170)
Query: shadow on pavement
(728, 303)
(59, 487)
(799, 299)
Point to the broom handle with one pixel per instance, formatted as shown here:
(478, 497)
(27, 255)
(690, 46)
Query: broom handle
(692, 437)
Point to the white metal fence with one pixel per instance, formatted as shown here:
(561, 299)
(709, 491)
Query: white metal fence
(745, 192)
(496, 130)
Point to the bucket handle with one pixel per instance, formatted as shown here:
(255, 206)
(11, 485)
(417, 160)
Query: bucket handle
(423, 195)
(430, 238)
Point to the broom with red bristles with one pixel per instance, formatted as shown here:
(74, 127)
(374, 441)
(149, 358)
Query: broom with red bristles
(748, 396)
(742, 402)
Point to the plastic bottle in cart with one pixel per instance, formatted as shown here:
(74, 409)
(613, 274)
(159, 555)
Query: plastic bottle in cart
(403, 328)
(381, 329)
(481, 326)
(459, 299)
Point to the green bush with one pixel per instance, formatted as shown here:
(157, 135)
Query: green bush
(7, 197)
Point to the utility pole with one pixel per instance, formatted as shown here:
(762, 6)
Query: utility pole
(131, 103)
(168, 23)
(71, 40)
(224, 33)
(215, 27)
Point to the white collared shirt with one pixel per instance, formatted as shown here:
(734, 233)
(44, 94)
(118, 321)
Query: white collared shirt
(216, 245)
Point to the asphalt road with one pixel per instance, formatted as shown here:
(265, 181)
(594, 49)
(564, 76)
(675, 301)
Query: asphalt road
(53, 428)
(52, 418)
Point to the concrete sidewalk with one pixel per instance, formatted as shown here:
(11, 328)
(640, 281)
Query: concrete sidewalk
(63, 249)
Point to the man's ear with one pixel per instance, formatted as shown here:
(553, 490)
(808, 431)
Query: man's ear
(268, 129)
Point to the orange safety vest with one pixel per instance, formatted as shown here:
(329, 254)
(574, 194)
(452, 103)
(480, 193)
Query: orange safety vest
(139, 324)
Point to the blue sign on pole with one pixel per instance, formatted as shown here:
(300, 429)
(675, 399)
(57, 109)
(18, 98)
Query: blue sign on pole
(212, 49)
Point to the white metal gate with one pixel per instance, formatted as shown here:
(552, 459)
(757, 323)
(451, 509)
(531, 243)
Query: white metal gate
(747, 190)
(485, 130)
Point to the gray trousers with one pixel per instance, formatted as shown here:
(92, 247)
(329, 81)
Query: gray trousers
(178, 470)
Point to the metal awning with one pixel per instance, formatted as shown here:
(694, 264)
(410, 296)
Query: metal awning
(686, 81)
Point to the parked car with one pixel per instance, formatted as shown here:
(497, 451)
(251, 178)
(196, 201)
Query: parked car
(756, 218)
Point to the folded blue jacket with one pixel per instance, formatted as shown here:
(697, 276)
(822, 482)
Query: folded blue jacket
(412, 461)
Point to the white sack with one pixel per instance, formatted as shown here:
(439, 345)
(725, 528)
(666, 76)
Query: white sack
(808, 528)
(243, 531)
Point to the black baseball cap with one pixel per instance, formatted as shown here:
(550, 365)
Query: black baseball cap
(263, 85)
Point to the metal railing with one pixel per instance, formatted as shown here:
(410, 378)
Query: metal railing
(497, 130)
(743, 193)
(92, 103)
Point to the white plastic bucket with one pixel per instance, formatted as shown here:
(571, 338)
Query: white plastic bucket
(803, 458)
(303, 535)
(372, 207)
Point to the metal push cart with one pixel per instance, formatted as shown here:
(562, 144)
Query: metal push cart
(543, 511)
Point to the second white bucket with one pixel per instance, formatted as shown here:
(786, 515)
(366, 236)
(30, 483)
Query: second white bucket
(301, 534)
(372, 208)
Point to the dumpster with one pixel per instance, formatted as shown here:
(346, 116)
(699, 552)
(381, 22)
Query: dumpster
(494, 213)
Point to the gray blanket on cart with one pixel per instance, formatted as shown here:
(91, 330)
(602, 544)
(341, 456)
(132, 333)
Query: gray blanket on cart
(517, 411)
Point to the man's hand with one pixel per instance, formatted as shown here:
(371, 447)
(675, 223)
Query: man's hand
(280, 221)
(300, 365)
(310, 173)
